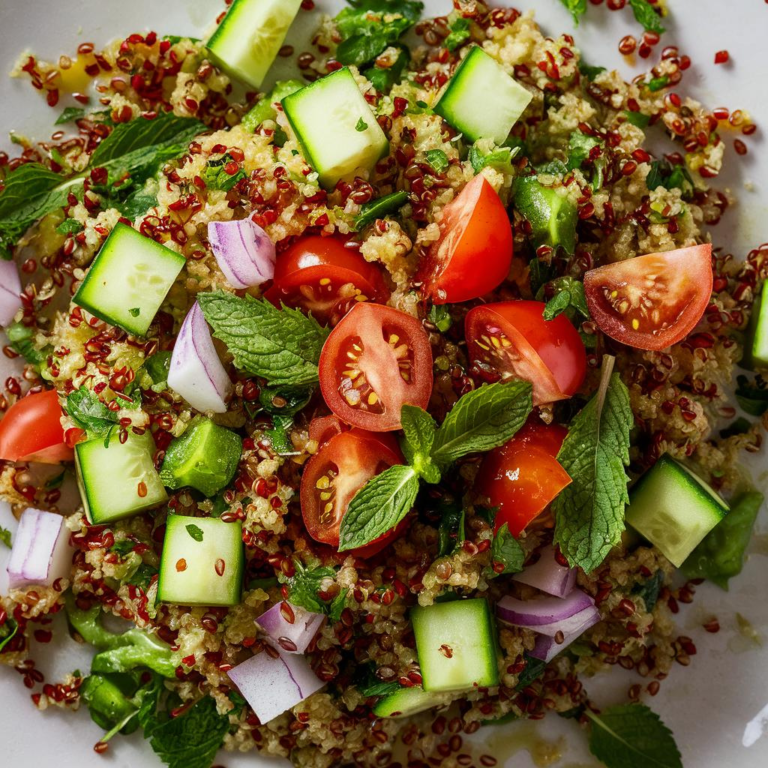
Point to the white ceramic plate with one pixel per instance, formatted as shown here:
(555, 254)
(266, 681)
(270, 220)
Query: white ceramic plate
(708, 705)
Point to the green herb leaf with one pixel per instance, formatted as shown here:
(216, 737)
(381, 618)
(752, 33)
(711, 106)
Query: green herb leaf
(142, 577)
(664, 174)
(195, 532)
(590, 72)
(507, 551)
(21, 338)
(8, 632)
(579, 148)
(440, 317)
(589, 513)
(216, 177)
(650, 590)
(482, 420)
(379, 209)
(89, 413)
(452, 528)
(459, 34)
(384, 79)
(369, 685)
(5, 536)
(632, 736)
(420, 430)
(647, 16)
(281, 345)
(378, 507)
(278, 435)
(361, 126)
(557, 305)
(577, 8)
(438, 160)
(720, 556)
(638, 119)
(569, 294)
(752, 395)
(265, 109)
(657, 83)
(71, 115)
(500, 159)
(304, 585)
(69, 227)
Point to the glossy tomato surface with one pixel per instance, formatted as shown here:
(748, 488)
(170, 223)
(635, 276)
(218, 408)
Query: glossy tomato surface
(376, 360)
(512, 340)
(322, 276)
(523, 477)
(654, 301)
(343, 465)
(31, 430)
(474, 253)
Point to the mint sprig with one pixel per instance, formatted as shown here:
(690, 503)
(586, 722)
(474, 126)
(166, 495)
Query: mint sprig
(506, 551)
(480, 421)
(589, 513)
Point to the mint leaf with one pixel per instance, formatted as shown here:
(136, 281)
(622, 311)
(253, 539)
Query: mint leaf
(500, 158)
(632, 736)
(378, 507)
(5, 536)
(8, 632)
(278, 435)
(378, 209)
(71, 115)
(590, 72)
(281, 345)
(482, 420)
(647, 16)
(589, 513)
(459, 34)
(579, 148)
(577, 8)
(638, 119)
(440, 317)
(569, 294)
(452, 530)
(89, 413)
(420, 430)
(650, 589)
(438, 161)
(216, 177)
(69, 227)
(306, 583)
(506, 551)
(195, 532)
(21, 338)
(557, 305)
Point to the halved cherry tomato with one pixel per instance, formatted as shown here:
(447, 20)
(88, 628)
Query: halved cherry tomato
(376, 360)
(322, 429)
(512, 340)
(474, 253)
(654, 301)
(343, 465)
(522, 477)
(31, 431)
(320, 275)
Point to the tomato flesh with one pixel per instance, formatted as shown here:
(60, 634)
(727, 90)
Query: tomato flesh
(343, 465)
(322, 276)
(523, 477)
(376, 360)
(474, 253)
(651, 302)
(31, 431)
(512, 340)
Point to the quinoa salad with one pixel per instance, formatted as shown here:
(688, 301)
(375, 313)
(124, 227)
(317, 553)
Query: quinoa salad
(354, 413)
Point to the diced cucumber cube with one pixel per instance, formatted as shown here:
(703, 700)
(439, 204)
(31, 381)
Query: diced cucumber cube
(407, 702)
(456, 645)
(202, 562)
(250, 36)
(756, 352)
(674, 509)
(129, 280)
(118, 480)
(204, 457)
(482, 100)
(336, 128)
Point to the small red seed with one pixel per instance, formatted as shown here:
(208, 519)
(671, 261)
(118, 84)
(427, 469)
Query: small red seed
(722, 57)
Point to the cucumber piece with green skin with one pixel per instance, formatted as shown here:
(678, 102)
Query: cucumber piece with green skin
(129, 280)
(118, 480)
(205, 457)
(203, 562)
(482, 100)
(265, 109)
(674, 509)
(337, 130)
(553, 217)
(756, 349)
(456, 645)
(246, 43)
(407, 702)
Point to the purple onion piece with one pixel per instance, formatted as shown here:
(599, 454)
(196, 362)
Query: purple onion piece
(547, 615)
(196, 372)
(10, 292)
(273, 686)
(547, 648)
(548, 575)
(41, 552)
(292, 637)
(244, 252)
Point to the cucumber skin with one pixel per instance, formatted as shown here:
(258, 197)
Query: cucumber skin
(756, 348)
(398, 705)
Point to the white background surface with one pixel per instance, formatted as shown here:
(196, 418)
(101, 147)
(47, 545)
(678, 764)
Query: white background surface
(707, 705)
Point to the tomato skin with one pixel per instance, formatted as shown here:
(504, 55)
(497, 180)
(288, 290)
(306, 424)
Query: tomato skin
(31, 431)
(522, 477)
(320, 275)
(352, 458)
(474, 253)
(376, 360)
(678, 284)
(548, 353)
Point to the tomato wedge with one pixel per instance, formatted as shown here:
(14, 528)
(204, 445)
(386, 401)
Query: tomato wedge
(320, 275)
(31, 431)
(512, 340)
(474, 253)
(523, 477)
(376, 360)
(342, 466)
(651, 302)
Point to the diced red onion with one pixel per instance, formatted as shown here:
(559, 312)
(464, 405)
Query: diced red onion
(10, 292)
(547, 615)
(547, 648)
(292, 637)
(243, 251)
(196, 372)
(548, 575)
(41, 552)
(273, 686)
